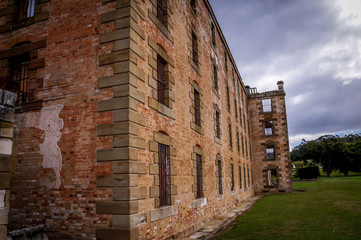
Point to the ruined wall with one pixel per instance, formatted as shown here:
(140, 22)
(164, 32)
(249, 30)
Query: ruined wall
(272, 172)
(55, 181)
(7, 155)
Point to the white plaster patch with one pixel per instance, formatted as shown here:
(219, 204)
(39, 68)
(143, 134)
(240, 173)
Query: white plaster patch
(6, 146)
(47, 120)
(2, 198)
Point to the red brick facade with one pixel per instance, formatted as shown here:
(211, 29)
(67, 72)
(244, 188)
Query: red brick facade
(92, 132)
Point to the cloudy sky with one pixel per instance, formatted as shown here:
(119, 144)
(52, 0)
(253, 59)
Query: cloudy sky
(314, 46)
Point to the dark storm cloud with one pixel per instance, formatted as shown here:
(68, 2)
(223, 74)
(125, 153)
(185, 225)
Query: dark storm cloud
(307, 44)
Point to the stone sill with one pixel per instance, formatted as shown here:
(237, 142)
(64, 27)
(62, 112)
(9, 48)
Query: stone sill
(163, 212)
(218, 140)
(233, 193)
(198, 203)
(220, 197)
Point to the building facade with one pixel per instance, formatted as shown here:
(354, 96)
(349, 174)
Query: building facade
(131, 120)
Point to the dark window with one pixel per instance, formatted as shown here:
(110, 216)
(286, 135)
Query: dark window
(193, 6)
(195, 48)
(218, 125)
(246, 147)
(225, 60)
(228, 98)
(267, 105)
(230, 135)
(213, 33)
(197, 107)
(161, 81)
(25, 9)
(270, 152)
(240, 115)
(244, 175)
(215, 76)
(220, 189)
(232, 177)
(242, 142)
(268, 128)
(199, 175)
(240, 176)
(164, 176)
(249, 177)
(162, 10)
(235, 108)
(238, 147)
(19, 82)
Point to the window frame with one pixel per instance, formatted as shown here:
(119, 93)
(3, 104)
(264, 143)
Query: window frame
(267, 107)
(195, 56)
(161, 82)
(164, 175)
(162, 11)
(199, 176)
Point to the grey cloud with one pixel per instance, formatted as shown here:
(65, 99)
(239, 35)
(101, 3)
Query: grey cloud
(310, 46)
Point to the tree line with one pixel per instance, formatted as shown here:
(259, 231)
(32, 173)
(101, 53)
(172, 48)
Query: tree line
(331, 152)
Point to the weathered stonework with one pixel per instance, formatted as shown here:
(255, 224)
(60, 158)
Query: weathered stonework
(272, 170)
(92, 132)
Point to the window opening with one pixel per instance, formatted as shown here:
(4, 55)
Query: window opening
(164, 176)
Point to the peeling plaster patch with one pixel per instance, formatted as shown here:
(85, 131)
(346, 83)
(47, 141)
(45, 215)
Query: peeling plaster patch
(47, 120)
(2, 198)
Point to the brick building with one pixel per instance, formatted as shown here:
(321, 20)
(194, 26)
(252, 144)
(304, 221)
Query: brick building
(132, 120)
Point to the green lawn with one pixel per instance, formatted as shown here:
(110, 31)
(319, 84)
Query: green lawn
(327, 209)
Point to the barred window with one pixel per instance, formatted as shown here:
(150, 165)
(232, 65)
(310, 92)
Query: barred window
(220, 186)
(199, 175)
(19, 82)
(215, 76)
(164, 176)
(194, 48)
(161, 64)
(197, 107)
(232, 177)
(218, 125)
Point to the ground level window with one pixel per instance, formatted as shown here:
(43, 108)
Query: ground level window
(232, 177)
(199, 175)
(220, 187)
(271, 178)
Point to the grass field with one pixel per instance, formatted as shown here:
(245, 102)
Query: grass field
(327, 209)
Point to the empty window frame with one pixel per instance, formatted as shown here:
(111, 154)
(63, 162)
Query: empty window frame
(230, 136)
(197, 107)
(164, 176)
(215, 76)
(161, 85)
(270, 150)
(242, 142)
(213, 34)
(220, 186)
(271, 178)
(194, 48)
(268, 128)
(238, 146)
(232, 177)
(199, 175)
(19, 80)
(162, 11)
(267, 105)
(218, 125)
(25, 9)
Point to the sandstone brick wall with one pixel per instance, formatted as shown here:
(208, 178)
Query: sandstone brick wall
(88, 139)
(280, 164)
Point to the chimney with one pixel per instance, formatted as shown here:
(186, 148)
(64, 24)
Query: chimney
(280, 85)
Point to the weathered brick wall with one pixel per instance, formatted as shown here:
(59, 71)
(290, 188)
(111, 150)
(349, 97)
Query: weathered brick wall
(7, 155)
(281, 162)
(55, 180)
